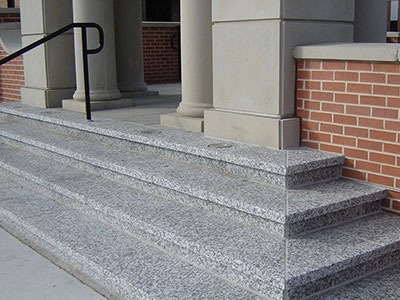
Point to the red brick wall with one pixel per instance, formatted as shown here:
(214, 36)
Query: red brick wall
(353, 108)
(12, 73)
(9, 17)
(161, 62)
(392, 39)
(11, 78)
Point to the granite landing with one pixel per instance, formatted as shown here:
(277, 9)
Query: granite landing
(140, 215)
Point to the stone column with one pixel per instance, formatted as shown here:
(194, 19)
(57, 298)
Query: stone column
(102, 71)
(129, 47)
(370, 21)
(49, 69)
(254, 70)
(196, 51)
(102, 66)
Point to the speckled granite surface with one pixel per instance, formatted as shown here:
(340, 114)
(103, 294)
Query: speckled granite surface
(126, 266)
(259, 257)
(383, 285)
(239, 158)
(130, 220)
(273, 204)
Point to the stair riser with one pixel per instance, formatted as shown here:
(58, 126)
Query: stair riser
(201, 201)
(289, 181)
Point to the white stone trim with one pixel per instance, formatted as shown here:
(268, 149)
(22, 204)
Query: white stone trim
(381, 52)
(392, 34)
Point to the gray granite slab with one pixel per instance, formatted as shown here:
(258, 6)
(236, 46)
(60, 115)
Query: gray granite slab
(10, 189)
(321, 254)
(383, 285)
(214, 239)
(382, 229)
(238, 193)
(318, 199)
(115, 261)
(257, 157)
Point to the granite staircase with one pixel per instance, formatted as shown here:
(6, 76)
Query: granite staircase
(155, 213)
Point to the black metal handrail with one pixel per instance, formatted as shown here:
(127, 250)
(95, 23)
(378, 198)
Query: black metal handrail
(85, 53)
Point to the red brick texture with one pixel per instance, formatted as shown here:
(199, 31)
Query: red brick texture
(161, 62)
(353, 108)
(11, 78)
(12, 73)
(7, 18)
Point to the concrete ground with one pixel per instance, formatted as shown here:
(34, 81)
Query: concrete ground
(147, 110)
(26, 275)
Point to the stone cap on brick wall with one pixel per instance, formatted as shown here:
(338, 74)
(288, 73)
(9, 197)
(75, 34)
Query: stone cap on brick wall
(13, 10)
(392, 34)
(380, 52)
(10, 36)
(160, 24)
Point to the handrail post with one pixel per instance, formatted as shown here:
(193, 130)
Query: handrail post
(86, 73)
(85, 52)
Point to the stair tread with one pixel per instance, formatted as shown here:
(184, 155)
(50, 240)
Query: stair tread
(116, 260)
(208, 184)
(252, 251)
(258, 157)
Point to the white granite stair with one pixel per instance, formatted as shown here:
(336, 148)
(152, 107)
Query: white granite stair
(121, 210)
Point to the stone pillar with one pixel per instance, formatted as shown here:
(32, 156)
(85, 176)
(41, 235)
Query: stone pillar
(104, 92)
(254, 70)
(49, 69)
(102, 71)
(370, 22)
(129, 48)
(196, 52)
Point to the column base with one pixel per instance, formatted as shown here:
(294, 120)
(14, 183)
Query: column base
(80, 106)
(186, 123)
(45, 98)
(252, 129)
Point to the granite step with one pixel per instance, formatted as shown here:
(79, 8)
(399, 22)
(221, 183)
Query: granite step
(301, 267)
(116, 264)
(289, 168)
(286, 212)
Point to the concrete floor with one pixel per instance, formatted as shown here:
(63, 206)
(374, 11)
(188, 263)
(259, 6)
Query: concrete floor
(147, 110)
(26, 275)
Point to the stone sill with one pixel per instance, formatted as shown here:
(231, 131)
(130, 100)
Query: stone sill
(379, 52)
(393, 34)
(9, 10)
(161, 24)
